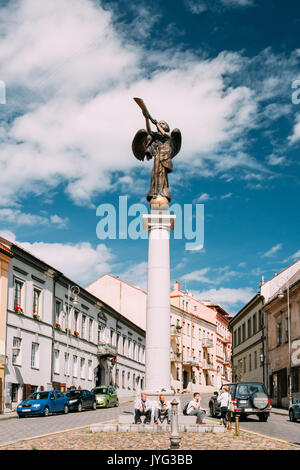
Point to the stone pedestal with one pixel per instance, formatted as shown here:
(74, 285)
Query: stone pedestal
(158, 223)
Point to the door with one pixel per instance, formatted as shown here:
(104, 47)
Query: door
(185, 379)
(112, 396)
(60, 401)
(53, 402)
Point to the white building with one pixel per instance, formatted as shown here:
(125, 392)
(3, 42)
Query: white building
(59, 334)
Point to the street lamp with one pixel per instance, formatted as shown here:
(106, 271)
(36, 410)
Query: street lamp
(281, 296)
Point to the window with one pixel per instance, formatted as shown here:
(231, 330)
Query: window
(128, 380)
(34, 356)
(255, 359)
(90, 371)
(279, 334)
(250, 362)
(239, 335)
(67, 364)
(16, 350)
(244, 332)
(57, 311)
(90, 337)
(75, 366)
(245, 368)
(82, 368)
(254, 323)
(249, 328)
(234, 338)
(56, 361)
(14, 392)
(286, 330)
(36, 302)
(123, 379)
(76, 315)
(83, 326)
(18, 294)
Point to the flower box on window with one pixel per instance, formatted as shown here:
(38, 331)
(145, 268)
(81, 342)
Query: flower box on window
(68, 331)
(76, 333)
(58, 326)
(19, 310)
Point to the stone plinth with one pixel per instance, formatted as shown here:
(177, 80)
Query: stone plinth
(158, 223)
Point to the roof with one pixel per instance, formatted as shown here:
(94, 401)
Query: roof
(118, 279)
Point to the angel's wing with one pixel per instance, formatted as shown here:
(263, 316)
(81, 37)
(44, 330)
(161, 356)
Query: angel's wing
(139, 144)
(176, 142)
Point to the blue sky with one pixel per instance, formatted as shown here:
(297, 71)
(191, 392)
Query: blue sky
(220, 70)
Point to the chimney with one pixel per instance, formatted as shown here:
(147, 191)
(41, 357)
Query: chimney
(177, 286)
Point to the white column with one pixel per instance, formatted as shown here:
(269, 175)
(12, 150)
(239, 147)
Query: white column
(157, 377)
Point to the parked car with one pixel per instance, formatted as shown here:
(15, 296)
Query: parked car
(294, 411)
(249, 398)
(81, 399)
(105, 396)
(43, 403)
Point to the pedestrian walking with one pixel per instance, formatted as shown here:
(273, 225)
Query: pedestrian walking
(224, 400)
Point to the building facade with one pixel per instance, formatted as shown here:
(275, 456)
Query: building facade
(249, 327)
(283, 341)
(249, 342)
(5, 258)
(58, 335)
(212, 342)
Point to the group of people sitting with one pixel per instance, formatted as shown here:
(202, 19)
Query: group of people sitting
(162, 409)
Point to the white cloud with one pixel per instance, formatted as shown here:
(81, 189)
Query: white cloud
(217, 275)
(228, 298)
(79, 131)
(272, 251)
(295, 137)
(19, 218)
(203, 198)
(293, 257)
(80, 261)
(275, 160)
(226, 196)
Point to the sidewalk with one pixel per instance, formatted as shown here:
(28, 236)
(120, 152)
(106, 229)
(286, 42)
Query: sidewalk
(279, 411)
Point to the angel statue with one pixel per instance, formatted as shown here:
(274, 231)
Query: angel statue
(162, 145)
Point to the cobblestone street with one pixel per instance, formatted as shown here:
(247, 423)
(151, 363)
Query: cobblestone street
(83, 439)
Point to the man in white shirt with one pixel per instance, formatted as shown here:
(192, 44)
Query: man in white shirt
(194, 409)
(162, 410)
(143, 408)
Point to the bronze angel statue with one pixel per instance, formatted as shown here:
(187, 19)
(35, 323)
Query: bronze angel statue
(162, 145)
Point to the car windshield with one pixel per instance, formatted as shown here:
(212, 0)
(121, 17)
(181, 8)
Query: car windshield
(73, 394)
(249, 389)
(100, 391)
(38, 396)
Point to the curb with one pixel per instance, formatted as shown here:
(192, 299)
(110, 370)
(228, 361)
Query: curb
(265, 436)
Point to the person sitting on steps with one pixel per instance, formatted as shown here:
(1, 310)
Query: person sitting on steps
(143, 408)
(162, 410)
(194, 409)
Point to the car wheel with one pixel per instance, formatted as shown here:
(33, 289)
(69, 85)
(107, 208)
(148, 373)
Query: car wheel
(94, 406)
(292, 416)
(46, 411)
(106, 404)
(66, 409)
(79, 407)
(263, 417)
(117, 403)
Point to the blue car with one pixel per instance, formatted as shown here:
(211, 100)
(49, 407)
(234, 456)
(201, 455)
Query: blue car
(43, 403)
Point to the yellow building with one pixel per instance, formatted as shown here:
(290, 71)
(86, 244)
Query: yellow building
(5, 258)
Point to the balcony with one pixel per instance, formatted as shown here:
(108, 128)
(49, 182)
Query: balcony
(207, 343)
(106, 350)
(208, 365)
(226, 340)
(175, 330)
(175, 356)
(191, 361)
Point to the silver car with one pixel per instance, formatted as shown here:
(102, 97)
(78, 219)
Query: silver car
(294, 411)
